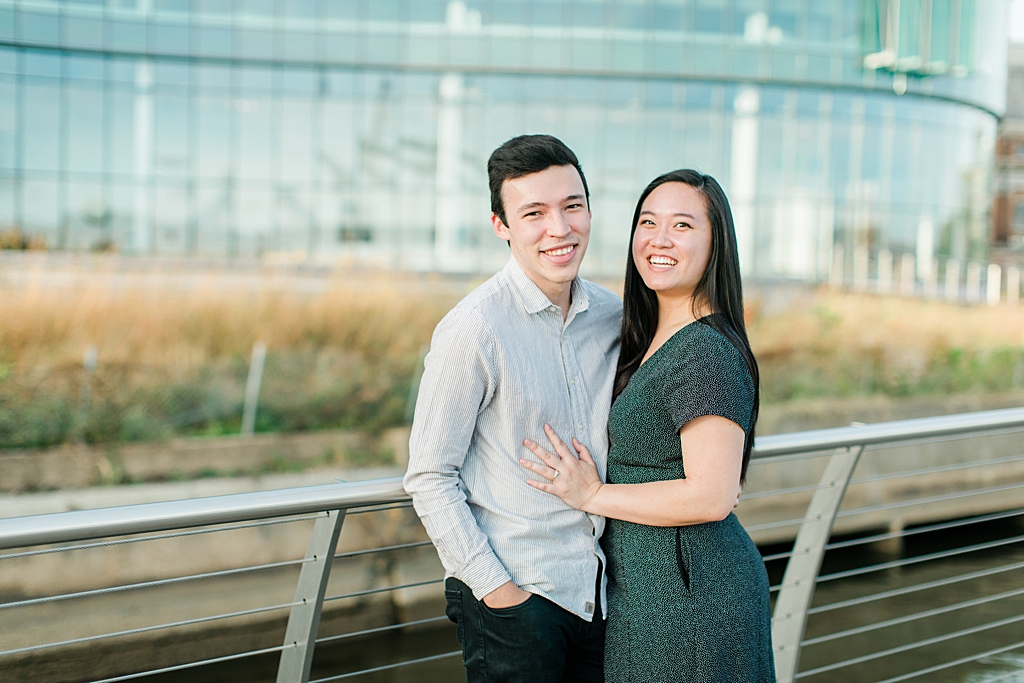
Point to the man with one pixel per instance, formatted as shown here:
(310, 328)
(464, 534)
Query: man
(535, 344)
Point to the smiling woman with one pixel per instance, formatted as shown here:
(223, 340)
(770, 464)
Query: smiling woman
(687, 592)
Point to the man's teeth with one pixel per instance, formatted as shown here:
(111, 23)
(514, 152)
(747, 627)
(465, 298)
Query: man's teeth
(662, 261)
(561, 251)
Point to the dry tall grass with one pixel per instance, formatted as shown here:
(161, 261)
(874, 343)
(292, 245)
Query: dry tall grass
(172, 358)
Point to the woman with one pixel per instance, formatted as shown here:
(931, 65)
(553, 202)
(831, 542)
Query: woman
(688, 592)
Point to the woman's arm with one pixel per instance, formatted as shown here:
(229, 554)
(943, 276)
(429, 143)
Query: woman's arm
(712, 453)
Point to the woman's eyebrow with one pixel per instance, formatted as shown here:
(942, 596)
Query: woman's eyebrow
(685, 215)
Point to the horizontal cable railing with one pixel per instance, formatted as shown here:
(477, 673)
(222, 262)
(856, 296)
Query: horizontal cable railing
(384, 581)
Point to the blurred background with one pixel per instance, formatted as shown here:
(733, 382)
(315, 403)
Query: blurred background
(229, 227)
(182, 179)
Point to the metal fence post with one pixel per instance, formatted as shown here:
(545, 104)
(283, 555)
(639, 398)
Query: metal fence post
(304, 620)
(802, 570)
(252, 388)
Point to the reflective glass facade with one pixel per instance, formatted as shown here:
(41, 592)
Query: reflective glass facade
(329, 129)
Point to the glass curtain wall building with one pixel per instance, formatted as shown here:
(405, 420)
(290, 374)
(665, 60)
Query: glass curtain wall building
(327, 129)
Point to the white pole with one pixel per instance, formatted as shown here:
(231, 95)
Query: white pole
(252, 388)
(973, 282)
(860, 268)
(952, 279)
(907, 275)
(1013, 285)
(885, 272)
(993, 284)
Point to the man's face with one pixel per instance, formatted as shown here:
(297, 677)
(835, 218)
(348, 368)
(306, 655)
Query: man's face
(548, 225)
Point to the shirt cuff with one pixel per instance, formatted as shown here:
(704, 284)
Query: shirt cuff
(484, 575)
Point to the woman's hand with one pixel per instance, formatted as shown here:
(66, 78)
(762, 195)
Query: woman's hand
(573, 479)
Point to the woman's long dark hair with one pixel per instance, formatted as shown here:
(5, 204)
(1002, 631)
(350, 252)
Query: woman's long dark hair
(719, 291)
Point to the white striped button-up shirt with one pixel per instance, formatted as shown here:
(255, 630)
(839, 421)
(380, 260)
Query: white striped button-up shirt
(502, 364)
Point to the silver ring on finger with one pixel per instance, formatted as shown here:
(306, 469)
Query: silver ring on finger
(556, 475)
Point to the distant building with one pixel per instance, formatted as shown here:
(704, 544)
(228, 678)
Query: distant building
(329, 129)
(1008, 208)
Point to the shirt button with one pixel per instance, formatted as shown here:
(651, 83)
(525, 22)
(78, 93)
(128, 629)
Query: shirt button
(581, 426)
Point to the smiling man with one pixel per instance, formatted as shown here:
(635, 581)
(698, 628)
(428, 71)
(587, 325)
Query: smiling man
(535, 344)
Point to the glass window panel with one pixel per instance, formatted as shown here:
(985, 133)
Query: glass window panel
(6, 23)
(40, 206)
(172, 141)
(167, 38)
(41, 112)
(7, 131)
(304, 9)
(39, 27)
(708, 16)
(212, 42)
(85, 129)
(429, 11)
(628, 14)
(340, 9)
(591, 13)
(296, 150)
(254, 44)
(382, 10)
(122, 128)
(171, 74)
(211, 7)
(666, 15)
(41, 64)
(508, 11)
(83, 32)
(8, 60)
(81, 68)
(7, 189)
(255, 137)
(171, 213)
(549, 12)
(89, 216)
(213, 148)
(125, 35)
(181, 6)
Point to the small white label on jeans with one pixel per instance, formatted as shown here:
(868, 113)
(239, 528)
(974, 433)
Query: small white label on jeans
(590, 608)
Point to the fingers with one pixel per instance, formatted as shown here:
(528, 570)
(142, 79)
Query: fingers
(556, 441)
(583, 451)
(538, 468)
(535, 448)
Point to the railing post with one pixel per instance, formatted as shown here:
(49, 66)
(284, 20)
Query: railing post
(802, 570)
(304, 620)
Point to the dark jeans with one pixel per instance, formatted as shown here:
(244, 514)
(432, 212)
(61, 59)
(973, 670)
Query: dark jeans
(535, 642)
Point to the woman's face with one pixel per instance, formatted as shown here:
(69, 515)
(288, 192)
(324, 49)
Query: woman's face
(672, 242)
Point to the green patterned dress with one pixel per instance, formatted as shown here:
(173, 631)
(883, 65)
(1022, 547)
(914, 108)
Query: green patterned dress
(687, 604)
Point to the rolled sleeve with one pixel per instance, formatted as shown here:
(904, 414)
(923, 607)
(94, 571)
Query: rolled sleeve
(457, 383)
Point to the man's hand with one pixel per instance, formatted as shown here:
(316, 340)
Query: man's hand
(506, 595)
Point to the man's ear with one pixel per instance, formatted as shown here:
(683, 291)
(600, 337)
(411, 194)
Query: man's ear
(500, 229)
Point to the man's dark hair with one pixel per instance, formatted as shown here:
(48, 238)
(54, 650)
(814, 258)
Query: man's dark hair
(522, 156)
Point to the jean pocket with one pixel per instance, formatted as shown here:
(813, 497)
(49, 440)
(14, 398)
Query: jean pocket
(508, 611)
(453, 610)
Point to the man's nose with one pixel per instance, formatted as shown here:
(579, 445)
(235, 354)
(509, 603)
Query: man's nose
(558, 226)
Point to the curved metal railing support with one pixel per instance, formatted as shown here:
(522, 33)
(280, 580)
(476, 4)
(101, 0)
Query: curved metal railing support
(304, 620)
(802, 570)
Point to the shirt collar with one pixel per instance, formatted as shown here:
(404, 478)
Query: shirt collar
(534, 300)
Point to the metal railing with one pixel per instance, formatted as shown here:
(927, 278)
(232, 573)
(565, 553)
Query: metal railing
(924, 493)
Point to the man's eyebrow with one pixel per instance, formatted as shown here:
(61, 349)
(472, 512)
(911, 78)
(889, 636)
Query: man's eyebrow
(532, 205)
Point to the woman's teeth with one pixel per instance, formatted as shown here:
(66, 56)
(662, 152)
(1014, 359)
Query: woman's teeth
(662, 261)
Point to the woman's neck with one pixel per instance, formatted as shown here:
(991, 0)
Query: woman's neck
(676, 312)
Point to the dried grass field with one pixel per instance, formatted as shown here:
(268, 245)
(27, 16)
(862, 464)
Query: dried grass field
(172, 360)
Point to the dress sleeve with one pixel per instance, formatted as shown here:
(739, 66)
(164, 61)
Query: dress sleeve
(706, 375)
